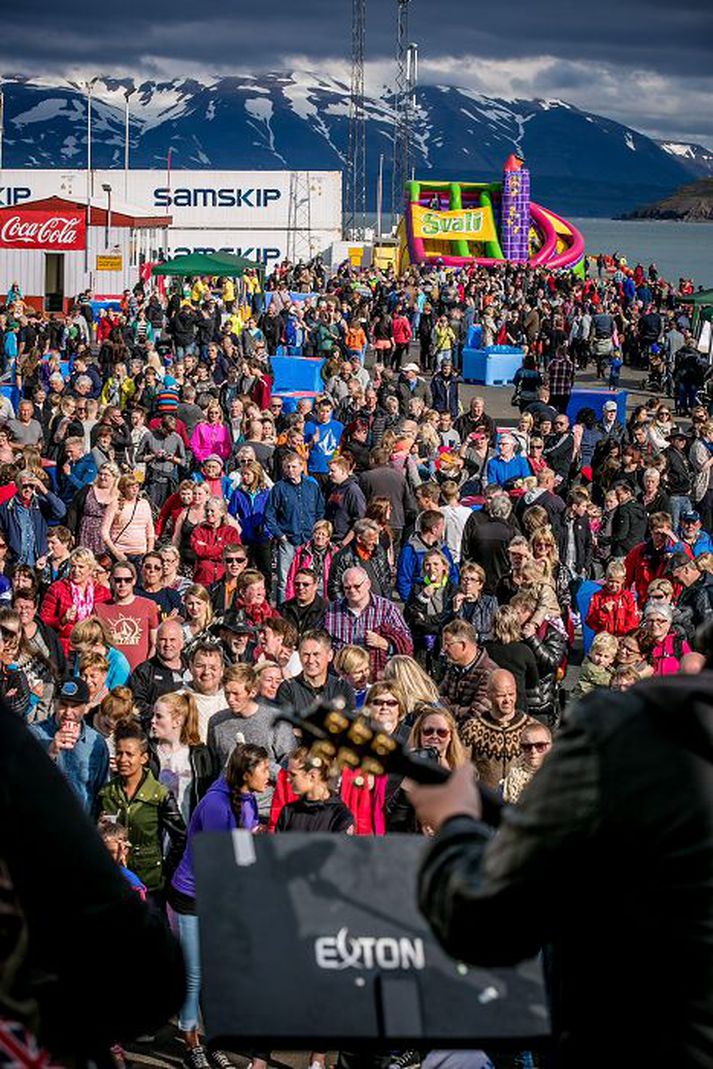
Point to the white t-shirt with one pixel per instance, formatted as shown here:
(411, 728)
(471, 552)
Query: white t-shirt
(176, 774)
(456, 517)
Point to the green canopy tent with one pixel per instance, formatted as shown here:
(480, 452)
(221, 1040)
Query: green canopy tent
(702, 302)
(215, 264)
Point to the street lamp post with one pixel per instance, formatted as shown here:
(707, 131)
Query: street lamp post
(127, 94)
(89, 87)
(107, 189)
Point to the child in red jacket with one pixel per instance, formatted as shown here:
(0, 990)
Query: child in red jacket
(613, 608)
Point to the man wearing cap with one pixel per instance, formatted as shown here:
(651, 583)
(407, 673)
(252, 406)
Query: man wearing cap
(609, 425)
(696, 600)
(78, 750)
(692, 534)
(679, 474)
(410, 385)
(23, 519)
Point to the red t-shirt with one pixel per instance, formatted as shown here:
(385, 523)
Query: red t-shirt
(131, 627)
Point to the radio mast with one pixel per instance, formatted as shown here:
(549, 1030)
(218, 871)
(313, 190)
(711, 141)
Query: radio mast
(404, 101)
(355, 227)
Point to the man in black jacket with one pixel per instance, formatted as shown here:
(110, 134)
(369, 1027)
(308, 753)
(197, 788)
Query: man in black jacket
(162, 673)
(679, 477)
(306, 609)
(629, 521)
(696, 600)
(603, 860)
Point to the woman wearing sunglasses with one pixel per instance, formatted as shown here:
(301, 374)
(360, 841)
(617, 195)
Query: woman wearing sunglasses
(535, 744)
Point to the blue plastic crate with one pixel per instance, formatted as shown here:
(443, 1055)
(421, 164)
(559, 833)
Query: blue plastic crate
(494, 366)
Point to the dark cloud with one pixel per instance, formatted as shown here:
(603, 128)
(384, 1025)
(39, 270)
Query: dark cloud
(669, 38)
(179, 39)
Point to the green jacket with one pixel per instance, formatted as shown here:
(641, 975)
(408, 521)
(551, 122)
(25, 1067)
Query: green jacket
(150, 815)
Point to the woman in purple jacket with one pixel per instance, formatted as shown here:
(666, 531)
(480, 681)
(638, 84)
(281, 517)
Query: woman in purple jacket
(229, 803)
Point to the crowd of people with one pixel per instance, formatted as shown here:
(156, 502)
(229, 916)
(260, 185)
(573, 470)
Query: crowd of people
(181, 555)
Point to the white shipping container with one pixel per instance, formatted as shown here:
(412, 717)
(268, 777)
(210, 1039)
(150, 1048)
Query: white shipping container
(261, 200)
(267, 247)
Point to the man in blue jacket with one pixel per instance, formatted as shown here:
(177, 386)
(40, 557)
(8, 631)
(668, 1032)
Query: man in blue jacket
(79, 470)
(78, 751)
(430, 531)
(23, 519)
(293, 507)
(444, 389)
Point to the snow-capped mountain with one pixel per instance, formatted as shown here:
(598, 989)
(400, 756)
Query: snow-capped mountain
(697, 159)
(581, 163)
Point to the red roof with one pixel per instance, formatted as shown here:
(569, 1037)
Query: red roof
(120, 217)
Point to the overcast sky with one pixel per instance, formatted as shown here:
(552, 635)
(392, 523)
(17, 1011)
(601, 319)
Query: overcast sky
(643, 62)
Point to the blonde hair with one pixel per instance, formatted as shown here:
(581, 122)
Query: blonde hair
(507, 626)
(82, 554)
(92, 659)
(408, 675)
(323, 525)
(242, 673)
(385, 686)
(182, 706)
(661, 586)
(616, 569)
(473, 569)
(456, 754)
(605, 643)
(88, 633)
(200, 592)
(349, 659)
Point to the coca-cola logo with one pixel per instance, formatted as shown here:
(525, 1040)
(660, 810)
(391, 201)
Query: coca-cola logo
(42, 230)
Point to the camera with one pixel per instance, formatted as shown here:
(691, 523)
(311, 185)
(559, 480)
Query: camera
(428, 753)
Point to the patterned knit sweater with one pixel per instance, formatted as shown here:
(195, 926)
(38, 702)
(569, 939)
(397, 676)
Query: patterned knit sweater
(493, 745)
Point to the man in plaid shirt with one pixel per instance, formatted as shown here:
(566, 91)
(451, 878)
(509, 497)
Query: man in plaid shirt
(361, 618)
(560, 376)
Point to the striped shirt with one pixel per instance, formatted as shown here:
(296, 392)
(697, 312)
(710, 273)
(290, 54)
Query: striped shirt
(347, 628)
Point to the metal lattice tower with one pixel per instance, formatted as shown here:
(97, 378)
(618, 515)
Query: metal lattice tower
(400, 170)
(356, 151)
(299, 217)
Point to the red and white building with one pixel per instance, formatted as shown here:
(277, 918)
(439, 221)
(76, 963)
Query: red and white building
(54, 249)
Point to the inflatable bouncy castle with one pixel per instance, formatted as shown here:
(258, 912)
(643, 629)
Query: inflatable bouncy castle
(461, 223)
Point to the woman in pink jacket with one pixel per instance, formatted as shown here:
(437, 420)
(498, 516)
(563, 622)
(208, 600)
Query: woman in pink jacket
(211, 436)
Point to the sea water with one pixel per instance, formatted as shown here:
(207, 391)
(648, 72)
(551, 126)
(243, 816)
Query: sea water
(679, 250)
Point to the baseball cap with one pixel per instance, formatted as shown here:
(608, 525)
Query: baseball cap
(74, 691)
(411, 367)
(690, 517)
(611, 406)
(678, 560)
(678, 432)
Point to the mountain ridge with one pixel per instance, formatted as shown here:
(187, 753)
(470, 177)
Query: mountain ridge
(581, 163)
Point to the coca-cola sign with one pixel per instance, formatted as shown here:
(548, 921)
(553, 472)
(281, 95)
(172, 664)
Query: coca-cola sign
(57, 231)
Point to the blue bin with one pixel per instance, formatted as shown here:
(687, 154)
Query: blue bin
(475, 336)
(595, 399)
(12, 393)
(494, 366)
(297, 373)
(584, 595)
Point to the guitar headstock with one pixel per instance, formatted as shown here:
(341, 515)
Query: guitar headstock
(351, 740)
